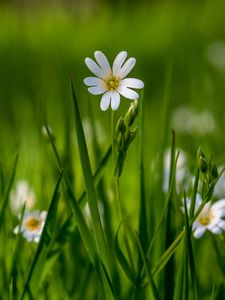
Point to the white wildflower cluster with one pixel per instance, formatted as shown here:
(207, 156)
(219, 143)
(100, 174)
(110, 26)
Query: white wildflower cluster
(33, 221)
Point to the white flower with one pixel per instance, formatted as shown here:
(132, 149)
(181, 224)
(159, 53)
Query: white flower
(111, 81)
(32, 225)
(210, 218)
(21, 194)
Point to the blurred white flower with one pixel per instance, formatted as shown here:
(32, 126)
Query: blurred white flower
(21, 194)
(210, 218)
(111, 81)
(32, 225)
(188, 121)
(181, 170)
(216, 54)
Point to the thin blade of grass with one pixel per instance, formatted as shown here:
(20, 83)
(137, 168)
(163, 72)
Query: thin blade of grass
(190, 253)
(72, 202)
(165, 257)
(89, 184)
(143, 232)
(168, 197)
(178, 292)
(16, 254)
(123, 261)
(154, 290)
(6, 196)
(11, 296)
(187, 246)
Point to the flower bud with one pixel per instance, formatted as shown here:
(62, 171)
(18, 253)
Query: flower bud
(214, 172)
(130, 116)
(136, 107)
(200, 153)
(132, 135)
(202, 164)
(119, 142)
(120, 126)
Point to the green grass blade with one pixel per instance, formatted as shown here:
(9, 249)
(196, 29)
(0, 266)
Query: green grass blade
(72, 202)
(154, 290)
(190, 253)
(16, 255)
(89, 184)
(6, 196)
(178, 293)
(194, 194)
(38, 263)
(187, 246)
(143, 232)
(11, 296)
(168, 198)
(123, 261)
(98, 172)
(51, 139)
(165, 257)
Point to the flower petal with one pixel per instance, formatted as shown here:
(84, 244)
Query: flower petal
(96, 90)
(119, 61)
(92, 81)
(102, 61)
(216, 229)
(115, 100)
(105, 101)
(127, 93)
(133, 83)
(94, 68)
(127, 67)
(219, 206)
(199, 232)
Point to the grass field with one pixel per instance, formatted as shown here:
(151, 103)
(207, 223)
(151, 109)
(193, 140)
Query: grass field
(59, 151)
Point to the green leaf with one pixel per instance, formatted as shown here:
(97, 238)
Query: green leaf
(89, 185)
(16, 254)
(6, 196)
(165, 257)
(168, 198)
(72, 202)
(143, 232)
(123, 261)
(146, 262)
(98, 172)
(190, 253)
(11, 296)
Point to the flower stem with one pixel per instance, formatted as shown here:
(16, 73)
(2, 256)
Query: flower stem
(117, 194)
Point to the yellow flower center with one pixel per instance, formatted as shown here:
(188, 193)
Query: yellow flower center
(205, 217)
(204, 220)
(112, 82)
(33, 224)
